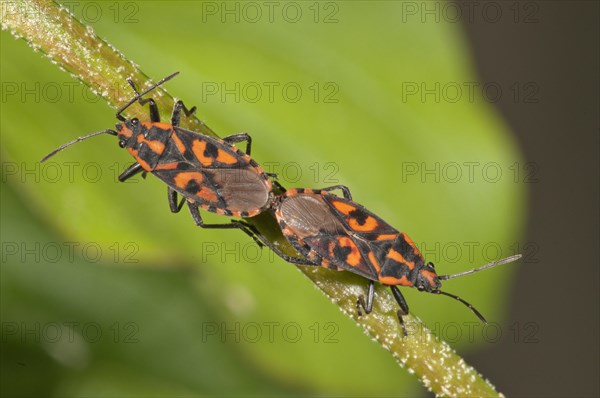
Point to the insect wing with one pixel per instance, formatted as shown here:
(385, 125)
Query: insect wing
(204, 151)
(213, 174)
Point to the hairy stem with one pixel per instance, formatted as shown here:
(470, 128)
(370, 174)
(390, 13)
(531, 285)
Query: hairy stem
(74, 47)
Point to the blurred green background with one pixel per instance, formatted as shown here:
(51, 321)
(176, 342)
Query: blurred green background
(106, 293)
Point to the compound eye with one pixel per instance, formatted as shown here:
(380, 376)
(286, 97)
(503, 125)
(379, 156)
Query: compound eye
(135, 121)
(420, 288)
(431, 264)
(122, 143)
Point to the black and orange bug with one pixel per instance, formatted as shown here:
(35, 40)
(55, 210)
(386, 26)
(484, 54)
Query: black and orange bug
(207, 172)
(338, 233)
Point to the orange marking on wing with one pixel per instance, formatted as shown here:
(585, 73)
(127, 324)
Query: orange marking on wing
(183, 178)
(369, 225)
(141, 161)
(390, 280)
(198, 147)
(394, 255)
(387, 237)
(207, 194)
(374, 262)
(353, 258)
(224, 157)
(342, 207)
(167, 166)
(410, 242)
(178, 143)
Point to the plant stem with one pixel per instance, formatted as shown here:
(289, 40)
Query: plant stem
(74, 47)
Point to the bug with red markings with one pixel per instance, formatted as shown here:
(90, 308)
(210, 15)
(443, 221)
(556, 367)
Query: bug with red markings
(338, 233)
(208, 172)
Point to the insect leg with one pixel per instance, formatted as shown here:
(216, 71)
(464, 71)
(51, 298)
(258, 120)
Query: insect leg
(264, 241)
(154, 114)
(119, 115)
(173, 205)
(231, 225)
(403, 307)
(276, 184)
(176, 115)
(241, 137)
(130, 172)
(251, 231)
(345, 190)
(368, 306)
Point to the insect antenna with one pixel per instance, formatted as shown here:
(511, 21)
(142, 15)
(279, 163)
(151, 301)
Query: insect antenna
(140, 95)
(68, 144)
(490, 265)
(481, 318)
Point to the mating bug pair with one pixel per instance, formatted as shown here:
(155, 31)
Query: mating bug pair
(326, 229)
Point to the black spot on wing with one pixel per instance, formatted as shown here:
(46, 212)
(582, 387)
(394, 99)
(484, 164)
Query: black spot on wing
(192, 187)
(211, 150)
(341, 252)
(321, 243)
(402, 246)
(359, 215)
